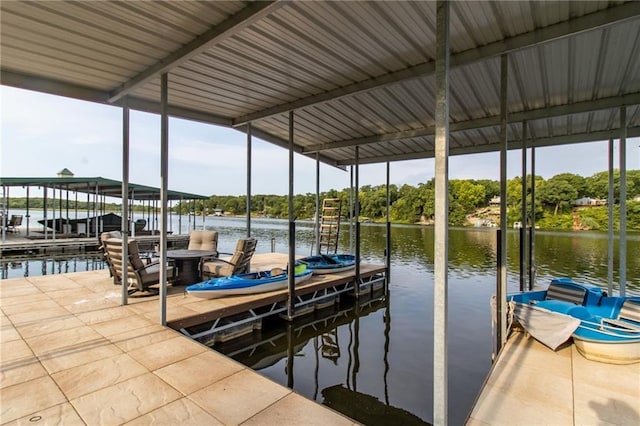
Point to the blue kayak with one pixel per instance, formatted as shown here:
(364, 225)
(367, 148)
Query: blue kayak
(250, 283)
(329, 263)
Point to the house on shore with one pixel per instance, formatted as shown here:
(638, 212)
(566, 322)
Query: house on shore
(589, 202)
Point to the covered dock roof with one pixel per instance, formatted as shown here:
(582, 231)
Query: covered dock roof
(355, 73)
(97, 185)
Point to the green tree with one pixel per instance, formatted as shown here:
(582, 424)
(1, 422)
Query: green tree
(558, 193)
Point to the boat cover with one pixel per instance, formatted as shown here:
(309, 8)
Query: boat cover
(550, 328)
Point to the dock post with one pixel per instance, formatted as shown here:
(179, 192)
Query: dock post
(623, 202)
(356, 286)
(532, 231)
(610, 202)
(501, 289)
(248, 203)
(164, 171)
(441, 246)
(292, 228)
(125, 199)
(388, 241)
(523, 214)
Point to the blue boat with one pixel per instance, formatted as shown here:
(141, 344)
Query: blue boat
(609, 327)
(329, 263)
(249, 283)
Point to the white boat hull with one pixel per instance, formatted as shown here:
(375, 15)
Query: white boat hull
(611, 353)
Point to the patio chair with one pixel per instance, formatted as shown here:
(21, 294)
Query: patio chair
(140, 275)
(203, 240)
(103, 237)
(211, 267)
(14, 222)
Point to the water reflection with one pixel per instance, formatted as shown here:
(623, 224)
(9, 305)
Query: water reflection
(16, 267)
(318, 341)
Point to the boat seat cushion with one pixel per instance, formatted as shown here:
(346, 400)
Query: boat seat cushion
(566, 293)
(630, 311)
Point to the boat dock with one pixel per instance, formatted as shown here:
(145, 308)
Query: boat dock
(71, 354)
(531, 384)
(17, 244)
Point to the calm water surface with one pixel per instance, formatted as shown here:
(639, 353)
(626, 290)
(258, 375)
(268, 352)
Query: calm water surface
(374, 362)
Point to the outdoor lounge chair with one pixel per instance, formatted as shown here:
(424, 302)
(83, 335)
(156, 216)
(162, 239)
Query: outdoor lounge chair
(140, 275)
(203, 240)
(211, 267)
(103, 237)
(14, 222)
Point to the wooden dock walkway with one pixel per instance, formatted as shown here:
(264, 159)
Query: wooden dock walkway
(532, 385)
(71, 354)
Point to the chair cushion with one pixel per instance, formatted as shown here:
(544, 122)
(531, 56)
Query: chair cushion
(216, 269)
(203, 240)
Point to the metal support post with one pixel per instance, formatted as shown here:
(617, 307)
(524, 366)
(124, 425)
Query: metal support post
(501, 290)
(523, 218)
(248, 180)
(623, 201)
(388, 240)
(292, 226)
(164, 170)
(125, 199)
(610, 202)
(440, 287)
(356, 199)
(316, 224)
(532, 234)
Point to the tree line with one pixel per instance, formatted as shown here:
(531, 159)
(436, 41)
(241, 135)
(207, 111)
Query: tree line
(468, 199)
(554, 198)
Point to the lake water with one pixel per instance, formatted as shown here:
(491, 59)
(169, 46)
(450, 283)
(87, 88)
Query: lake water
(374, 362)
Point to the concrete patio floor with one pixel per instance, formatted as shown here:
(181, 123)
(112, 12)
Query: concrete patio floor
(532, 385)
(72, 355)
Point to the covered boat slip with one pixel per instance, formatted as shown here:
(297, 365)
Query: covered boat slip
(62, 218)
(350, 83)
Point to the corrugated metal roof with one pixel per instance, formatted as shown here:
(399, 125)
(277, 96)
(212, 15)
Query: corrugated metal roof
(355, 73)
(97, 185)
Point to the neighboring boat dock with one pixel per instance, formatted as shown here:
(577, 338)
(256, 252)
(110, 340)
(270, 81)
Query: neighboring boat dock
(58, 330)
(531, 384)
(17, 244)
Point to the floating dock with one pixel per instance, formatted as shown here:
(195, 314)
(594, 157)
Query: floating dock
(530, 384)
(57, 330)
(242, 314)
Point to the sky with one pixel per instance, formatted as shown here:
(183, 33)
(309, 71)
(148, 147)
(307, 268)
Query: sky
(42, 134)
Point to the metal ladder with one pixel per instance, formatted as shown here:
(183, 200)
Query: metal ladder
(330, 225)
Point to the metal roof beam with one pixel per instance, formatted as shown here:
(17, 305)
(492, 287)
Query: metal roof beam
(261, 134)
(513, 144)
(532, 115)
(74, 91)
(592, 21)
(244, 18)
(60, 88)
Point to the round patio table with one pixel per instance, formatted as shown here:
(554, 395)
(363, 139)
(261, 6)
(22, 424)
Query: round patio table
(187, 262)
